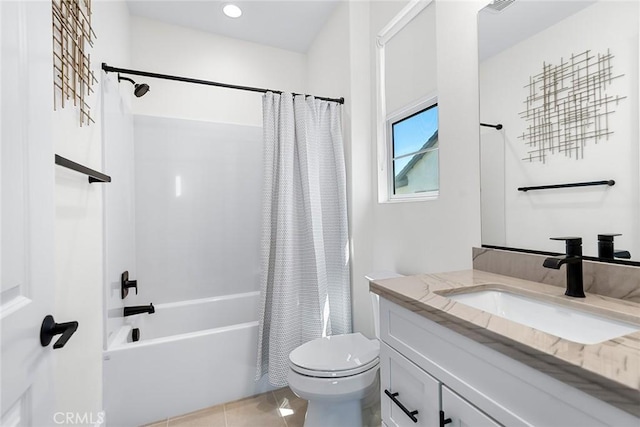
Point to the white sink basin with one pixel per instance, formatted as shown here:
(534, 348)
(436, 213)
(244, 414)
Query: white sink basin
(559, 320)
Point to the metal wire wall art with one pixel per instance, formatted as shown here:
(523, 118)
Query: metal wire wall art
(72, 38)
(568, 105)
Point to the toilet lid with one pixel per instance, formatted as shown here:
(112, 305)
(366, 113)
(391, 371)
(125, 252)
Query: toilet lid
(335, 356)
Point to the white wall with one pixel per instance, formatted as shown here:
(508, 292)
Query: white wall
(169, 49)
(430, 236)
(409, 237)
(78, 227)
(533, 217)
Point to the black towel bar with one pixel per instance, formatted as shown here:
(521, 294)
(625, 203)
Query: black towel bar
(94, 176)
(497, 127)
(609, 182)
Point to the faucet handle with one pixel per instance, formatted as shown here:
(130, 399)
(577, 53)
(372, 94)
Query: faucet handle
(607, 237)
(573, 245)
(571, 241)
(125, 284)
(568, 239)
(606, 250)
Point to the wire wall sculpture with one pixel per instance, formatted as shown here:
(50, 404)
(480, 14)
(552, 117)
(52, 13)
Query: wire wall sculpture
(568, 105)
(72, 37)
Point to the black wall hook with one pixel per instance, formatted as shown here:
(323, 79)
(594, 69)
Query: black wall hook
(50, 328)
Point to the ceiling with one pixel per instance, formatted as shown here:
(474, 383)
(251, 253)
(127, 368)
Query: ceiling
(498, 31)
(285, 24)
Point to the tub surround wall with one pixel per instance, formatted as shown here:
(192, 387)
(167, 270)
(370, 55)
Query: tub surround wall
(607, 371)
(198, 209)
(612, 280)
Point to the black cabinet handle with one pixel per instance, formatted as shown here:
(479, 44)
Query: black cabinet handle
(125, 284)
(410, 414)
(50, 328)
(444, 421)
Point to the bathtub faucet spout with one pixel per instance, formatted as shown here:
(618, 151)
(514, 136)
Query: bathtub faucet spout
(139, 309)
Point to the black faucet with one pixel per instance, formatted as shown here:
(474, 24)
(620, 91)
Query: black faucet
(573, 259)
(139, 309)
(605, 248)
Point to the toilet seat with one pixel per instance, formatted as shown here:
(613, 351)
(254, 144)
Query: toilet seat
(336, 356)
(334, 374)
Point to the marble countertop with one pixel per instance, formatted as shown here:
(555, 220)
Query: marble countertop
(609, 371)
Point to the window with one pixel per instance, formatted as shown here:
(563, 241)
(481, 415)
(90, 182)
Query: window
(413, 140)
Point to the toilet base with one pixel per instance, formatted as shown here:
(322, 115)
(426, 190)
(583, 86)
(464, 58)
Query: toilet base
(360, 407)
(323, 414)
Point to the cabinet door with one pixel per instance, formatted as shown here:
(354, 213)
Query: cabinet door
(463, 413)
(406, 385)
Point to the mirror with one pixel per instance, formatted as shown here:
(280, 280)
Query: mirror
(562, 79)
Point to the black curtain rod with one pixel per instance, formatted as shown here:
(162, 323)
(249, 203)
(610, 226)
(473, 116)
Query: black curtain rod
(498, 126)
(109, 69)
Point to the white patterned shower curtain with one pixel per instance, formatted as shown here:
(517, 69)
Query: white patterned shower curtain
(305, 288)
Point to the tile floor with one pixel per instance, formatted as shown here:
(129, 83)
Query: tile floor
(278, 408)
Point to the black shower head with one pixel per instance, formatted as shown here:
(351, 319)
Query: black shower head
(138, 89)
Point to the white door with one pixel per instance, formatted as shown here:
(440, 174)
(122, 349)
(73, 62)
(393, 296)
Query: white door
(26, 212)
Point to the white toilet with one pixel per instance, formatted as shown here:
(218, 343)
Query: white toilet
(338, 375)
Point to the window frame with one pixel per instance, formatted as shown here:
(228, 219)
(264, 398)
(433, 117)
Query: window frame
(407, 112)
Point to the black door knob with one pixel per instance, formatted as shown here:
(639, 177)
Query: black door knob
(50, 328)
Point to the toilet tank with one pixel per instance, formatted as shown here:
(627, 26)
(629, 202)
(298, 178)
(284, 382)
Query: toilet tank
(375, 298)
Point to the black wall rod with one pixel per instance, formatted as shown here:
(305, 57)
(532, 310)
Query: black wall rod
(109, 69)
(498, 126)
(609, 182)
(94, 176)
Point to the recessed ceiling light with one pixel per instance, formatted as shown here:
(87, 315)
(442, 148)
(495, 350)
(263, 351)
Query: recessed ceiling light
(232, 11)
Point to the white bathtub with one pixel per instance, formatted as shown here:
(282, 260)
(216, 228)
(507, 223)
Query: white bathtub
(191, 355)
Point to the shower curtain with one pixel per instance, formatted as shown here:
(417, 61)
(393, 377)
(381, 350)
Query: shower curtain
(305, 288)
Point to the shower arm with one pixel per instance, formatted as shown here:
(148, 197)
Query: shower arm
(120, 78)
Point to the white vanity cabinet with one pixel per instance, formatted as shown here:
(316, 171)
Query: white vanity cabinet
(410, 387)
(405, 385)
(462, 413)
(434, 368)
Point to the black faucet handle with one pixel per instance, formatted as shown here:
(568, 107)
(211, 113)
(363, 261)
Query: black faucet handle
(125, 284)
(606, 247)
(573, 245)
(607, 237)
(569, 240)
